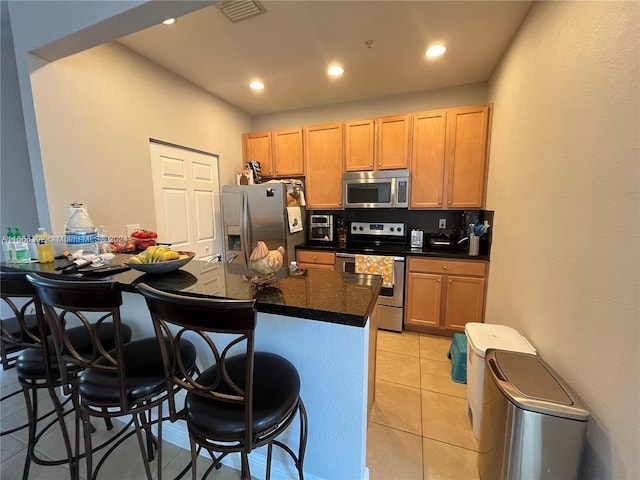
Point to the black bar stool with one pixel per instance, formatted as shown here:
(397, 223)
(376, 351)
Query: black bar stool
(37, 365)
(18, 332)
(109, 381)
(244, 399)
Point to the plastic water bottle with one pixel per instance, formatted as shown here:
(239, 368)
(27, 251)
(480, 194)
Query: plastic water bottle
(8, 247)
(43, 244)
(80, 232)
(21, 248)
(104, 246)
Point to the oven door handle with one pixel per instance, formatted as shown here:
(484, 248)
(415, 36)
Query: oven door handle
(352, 256)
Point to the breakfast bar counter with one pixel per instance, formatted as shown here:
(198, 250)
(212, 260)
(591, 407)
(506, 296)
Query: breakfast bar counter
(323, 322)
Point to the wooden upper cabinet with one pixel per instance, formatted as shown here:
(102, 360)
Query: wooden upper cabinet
(392, 145)
(428, 160)
(257, 146)
(288, 152)
(467, 137)
(449, 158)
(324, 158)
(359, 141)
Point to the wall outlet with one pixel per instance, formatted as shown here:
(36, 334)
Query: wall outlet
(442, 223)
(132, 227)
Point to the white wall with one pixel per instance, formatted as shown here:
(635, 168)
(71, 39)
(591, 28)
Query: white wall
(564, 183)
(473, 94)
(18, 202)
(53, 30)
(96, 111)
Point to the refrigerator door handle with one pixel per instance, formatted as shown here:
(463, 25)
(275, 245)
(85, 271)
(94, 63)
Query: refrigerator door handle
(244, 228)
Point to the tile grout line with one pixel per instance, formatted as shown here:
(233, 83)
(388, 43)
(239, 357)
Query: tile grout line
(422, 459)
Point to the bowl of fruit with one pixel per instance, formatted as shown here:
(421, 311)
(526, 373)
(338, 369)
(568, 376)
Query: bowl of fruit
(159, 260)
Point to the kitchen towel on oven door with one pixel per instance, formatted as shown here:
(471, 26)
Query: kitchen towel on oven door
(376, 265)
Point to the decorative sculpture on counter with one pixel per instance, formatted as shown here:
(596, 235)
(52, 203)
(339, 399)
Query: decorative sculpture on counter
(268, 294)
(264, 261)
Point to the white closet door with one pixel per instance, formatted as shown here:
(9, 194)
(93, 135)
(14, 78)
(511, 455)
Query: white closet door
(187, 199)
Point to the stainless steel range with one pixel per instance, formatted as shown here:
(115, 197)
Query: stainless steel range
(380, 239)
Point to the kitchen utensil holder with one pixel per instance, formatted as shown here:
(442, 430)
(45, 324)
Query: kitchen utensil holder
(474, 245)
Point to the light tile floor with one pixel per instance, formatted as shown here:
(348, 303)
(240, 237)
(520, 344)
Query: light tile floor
(418, 430)
(124, 464)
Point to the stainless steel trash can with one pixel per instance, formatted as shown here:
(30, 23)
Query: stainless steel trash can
(533, 425)
(480, 338)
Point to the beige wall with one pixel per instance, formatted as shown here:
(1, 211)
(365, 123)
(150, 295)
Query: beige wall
(564, 182)
(474, 94)
(96, 111)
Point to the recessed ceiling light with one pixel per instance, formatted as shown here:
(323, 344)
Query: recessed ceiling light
(169, 21)
(436, 50)
(335, 71)
(256, 85)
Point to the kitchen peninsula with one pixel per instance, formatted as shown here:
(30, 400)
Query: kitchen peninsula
(322, 321)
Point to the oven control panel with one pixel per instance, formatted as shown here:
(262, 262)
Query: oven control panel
(376, 229)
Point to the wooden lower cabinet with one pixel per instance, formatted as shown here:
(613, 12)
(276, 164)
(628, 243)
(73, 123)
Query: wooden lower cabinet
(443, 295)
(316, 259)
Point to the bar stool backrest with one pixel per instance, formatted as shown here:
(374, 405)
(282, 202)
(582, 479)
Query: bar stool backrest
(205, 317)
(87, 304)
(18, 294)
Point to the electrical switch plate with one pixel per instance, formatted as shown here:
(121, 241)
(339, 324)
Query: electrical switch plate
(442, 223)
(133, 227)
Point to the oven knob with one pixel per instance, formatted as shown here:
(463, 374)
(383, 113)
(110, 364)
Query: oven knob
(354, 228)
(360, 228)
(399, 229)
(391, 229)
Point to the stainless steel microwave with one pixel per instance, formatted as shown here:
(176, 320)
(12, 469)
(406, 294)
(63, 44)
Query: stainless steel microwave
(379, 189)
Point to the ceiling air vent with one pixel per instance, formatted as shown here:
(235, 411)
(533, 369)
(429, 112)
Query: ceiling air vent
(237, 10)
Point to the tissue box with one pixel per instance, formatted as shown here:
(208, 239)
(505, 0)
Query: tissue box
(458, 355)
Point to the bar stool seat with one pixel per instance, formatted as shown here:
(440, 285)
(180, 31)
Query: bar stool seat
(30, 363)
(143, 372)
(276, 392)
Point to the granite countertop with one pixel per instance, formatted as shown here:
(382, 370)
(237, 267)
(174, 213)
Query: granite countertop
(336, 297)
(421, 252)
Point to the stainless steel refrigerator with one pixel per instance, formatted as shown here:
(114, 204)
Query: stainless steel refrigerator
(258, 212)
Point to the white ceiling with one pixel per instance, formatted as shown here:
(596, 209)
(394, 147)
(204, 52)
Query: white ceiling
(290, 47)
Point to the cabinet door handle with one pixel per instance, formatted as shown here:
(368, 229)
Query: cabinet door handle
(444, 266)
(450, 282)
(315, 258)
(439, 281)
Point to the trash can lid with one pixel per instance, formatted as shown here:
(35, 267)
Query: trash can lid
(483, 336)
(532, 385)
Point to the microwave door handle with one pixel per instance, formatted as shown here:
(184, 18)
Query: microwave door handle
(393, 192)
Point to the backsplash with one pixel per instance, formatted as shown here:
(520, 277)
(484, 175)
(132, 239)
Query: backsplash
(427, 220)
